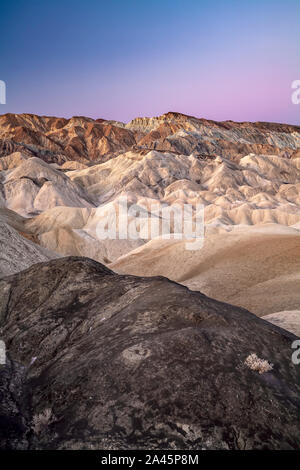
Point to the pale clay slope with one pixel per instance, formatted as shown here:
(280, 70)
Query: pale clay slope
(247, 266)
(241, 263)
(34, 186)
(12, 161)
(70, 231)
(18, 253)
(259, 190)
(288, 320)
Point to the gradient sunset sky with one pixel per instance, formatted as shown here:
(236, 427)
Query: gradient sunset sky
(229, 59)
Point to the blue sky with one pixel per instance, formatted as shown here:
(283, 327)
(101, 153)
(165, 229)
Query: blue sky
(117, 59)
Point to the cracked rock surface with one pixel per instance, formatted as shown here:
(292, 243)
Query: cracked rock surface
(101, 360)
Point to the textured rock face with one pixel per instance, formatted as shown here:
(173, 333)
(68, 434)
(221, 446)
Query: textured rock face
(98, 360)
(58, 140)
(17, 252)
(176, 132)
(12, 161)
(85, 139)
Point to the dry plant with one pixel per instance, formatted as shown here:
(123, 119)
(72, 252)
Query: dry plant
(42, 420)
(257, 364)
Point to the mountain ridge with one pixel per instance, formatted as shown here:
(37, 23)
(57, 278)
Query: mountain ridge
(93, 140)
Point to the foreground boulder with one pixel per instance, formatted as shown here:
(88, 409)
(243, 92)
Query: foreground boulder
(98, 360)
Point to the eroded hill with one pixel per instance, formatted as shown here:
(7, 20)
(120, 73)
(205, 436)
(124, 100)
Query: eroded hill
(99, 360)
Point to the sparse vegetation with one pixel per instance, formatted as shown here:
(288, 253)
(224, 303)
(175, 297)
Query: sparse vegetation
(257, 364)
(42, 420)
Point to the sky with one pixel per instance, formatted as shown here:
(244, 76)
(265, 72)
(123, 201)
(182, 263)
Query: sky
(217, 59)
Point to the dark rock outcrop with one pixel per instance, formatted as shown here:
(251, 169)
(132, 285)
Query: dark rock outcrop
(99, 360)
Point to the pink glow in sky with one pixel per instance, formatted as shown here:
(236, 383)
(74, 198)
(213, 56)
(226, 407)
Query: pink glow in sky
(118, 60)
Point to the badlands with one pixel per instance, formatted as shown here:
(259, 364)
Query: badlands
(60, 179)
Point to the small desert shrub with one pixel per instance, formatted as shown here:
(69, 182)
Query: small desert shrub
(260, 365)
(42, 420)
